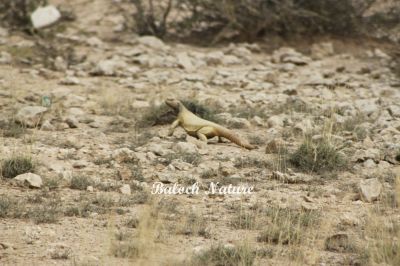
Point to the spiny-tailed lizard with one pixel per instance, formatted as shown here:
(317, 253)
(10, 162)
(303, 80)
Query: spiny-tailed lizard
(201, 128)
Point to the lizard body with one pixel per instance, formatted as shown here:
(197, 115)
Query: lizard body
(201, 128)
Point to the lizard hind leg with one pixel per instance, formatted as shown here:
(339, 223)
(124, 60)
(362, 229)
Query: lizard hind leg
(202, 137)
(205, 132)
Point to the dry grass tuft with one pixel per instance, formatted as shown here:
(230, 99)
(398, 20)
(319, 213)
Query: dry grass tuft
(16, 165)
(287, 226)
(81, 182)
(156, 115)
(194, 224)
(225, 255)
(141, 246)
(163, 114)
(251, 161)
(9, 207)
(187, 157)
(11, 129)
(317, 156)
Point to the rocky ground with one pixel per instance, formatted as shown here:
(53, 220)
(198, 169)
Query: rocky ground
(325, 118)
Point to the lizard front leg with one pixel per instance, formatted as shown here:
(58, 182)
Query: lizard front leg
(220, 140)
(173, 126)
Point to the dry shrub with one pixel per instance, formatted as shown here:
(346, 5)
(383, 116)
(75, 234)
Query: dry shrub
(162, 114)
(225, 255)
(16, 13)
(16, 165)
(150, 17)
(317, 156)
(246, 19)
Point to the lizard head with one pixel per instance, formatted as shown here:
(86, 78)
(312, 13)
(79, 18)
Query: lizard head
(174, 104)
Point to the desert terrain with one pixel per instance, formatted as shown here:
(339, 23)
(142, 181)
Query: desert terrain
(83, 111)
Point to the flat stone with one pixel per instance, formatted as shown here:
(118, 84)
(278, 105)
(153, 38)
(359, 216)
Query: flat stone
(180, 165)
(45, 16)
(157, 149)
(125, 189)
(369, 163)
(367, 106)
(394, 110)
(123, 155)
(152, 42)
(109, 67)
(70, 81)
(80, 164)
(185, 61)
(5, 58)
(185, 147)
(370, 189)
(72, 122)
(33, 180)
(275, 121)
(30, 115)
(167, 177)
(47, 126)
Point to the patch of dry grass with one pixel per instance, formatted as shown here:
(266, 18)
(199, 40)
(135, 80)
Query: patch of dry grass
(156, 115)
(194, 224)
(49, 212)
(287, 227)
(317, 156)
(251, 161)
(11, 129)
(81, 182)
(382, 230)
(225, 255)
(383, 234)
(187, 157)
(9, 207)
(114, 104)
(40, 208)
(124, 249)
(142, 245)
(247, 112)
(247, 220)
(16, 165)
(163, 114)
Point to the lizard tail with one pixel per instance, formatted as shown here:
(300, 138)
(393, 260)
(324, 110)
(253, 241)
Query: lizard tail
(226, 133)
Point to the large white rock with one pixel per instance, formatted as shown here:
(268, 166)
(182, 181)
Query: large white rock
(367, 106)
(45, 16)
(185, 147)
(167, 178)
(321, 50)
(123, 155)
(33, 180)
(184, 61)
(30, 115)
(110, 67)
(370, 189)
(275, 121)
(5, 58)
(152, 42)
(157, 149)
(394, 110)
(125, 189)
